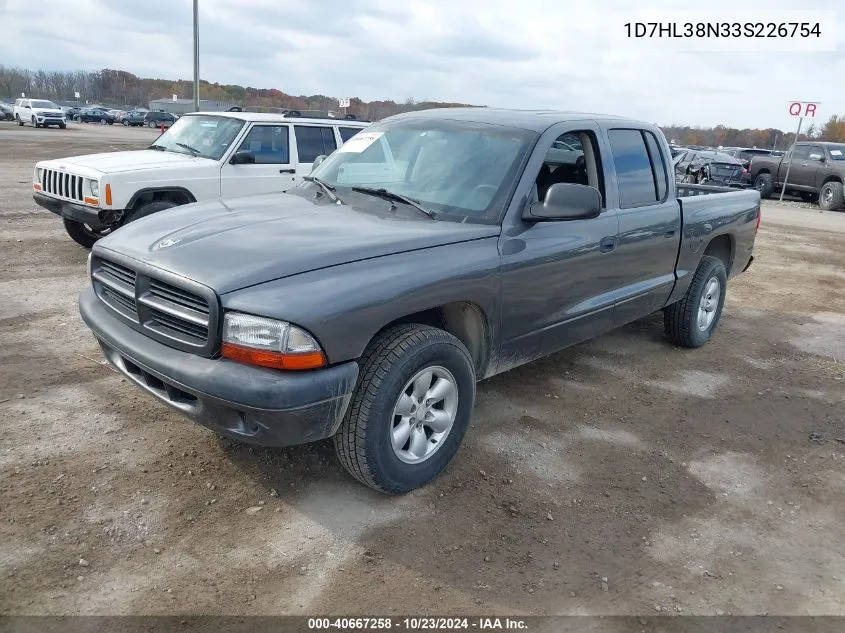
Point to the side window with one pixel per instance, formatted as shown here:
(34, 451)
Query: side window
(816, 152)
(658, 165)
(634, 174)
(269, 144)
(572, 158)
(347, 133)
(800, 152)
(312, 141)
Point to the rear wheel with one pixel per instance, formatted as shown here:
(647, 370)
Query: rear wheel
(691, 321)
(125, 122)
(102, 121)
(152, 124)
(83, 234)
(831, 196)
(763, 183)
(62, 126)
(410, 409)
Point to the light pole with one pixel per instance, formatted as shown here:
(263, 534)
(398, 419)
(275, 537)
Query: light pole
(196, 57)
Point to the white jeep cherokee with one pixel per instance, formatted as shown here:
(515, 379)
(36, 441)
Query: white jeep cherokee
(203, 156)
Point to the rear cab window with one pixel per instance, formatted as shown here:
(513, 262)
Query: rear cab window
(347, 133)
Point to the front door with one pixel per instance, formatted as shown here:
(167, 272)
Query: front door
(558, 277)
(272, 171)
(649, 224)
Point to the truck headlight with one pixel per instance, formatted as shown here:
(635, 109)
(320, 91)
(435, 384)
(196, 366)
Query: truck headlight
(95, 188)
(38, 172)
(269, 343)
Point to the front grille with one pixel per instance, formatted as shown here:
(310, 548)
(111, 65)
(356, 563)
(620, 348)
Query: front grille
(61, 184)
(171, 313)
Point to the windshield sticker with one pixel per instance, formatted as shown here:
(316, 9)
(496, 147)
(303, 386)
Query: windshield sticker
(360, 142)
(836, 152)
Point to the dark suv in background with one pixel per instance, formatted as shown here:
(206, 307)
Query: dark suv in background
(159, 118)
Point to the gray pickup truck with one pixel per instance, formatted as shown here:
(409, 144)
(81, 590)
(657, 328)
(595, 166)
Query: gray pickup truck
(432, 250)
(816, 172)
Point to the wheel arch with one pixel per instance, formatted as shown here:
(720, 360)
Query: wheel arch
(465, 320)
(179, 195)
(722, 246)
(831, 178)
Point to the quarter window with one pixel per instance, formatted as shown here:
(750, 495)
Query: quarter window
(347, 133)
(312, 141)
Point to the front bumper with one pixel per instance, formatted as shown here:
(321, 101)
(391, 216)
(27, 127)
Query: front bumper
(92, 216)
(251, 404)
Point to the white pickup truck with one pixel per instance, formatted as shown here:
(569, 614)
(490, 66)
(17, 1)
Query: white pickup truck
(203, 156)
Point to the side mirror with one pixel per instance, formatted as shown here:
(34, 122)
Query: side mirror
(243, 157)
(317, 161)
(565, 201)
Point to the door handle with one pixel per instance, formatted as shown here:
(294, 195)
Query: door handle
(287, 171)
(607, 244)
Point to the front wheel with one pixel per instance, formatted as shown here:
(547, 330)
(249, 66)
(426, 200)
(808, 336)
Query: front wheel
(34, 123)
(83, 234)
(125, 122)
(152, 124)
(691, 321)
(102, 121)
(410, 409)
(62, 126)
(18, 120)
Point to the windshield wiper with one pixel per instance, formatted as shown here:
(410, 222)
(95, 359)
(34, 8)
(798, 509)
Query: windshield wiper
(395, 197)
(326, 187)
(158, 147)
(194, 151)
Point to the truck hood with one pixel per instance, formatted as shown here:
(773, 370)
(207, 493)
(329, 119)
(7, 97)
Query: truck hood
(45, 111)
(116, 162)
(231, 244)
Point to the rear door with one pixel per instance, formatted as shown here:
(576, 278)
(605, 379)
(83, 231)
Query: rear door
(649, 223)
(273, 170)
(312, 141)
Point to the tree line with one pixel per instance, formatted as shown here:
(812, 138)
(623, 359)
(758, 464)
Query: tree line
(118, 87)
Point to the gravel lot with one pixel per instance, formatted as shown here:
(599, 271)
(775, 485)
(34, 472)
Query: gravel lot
(622, 476)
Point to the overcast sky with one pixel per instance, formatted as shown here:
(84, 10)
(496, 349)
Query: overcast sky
(559, 54)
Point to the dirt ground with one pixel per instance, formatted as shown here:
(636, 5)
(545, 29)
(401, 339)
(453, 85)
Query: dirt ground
(623, 476)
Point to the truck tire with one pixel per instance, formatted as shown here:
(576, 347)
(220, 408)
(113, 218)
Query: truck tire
(148, 209)
(831, 196)
(18, 119)
(385, 440)
(83, 234)
(763, 183)
(691, 321)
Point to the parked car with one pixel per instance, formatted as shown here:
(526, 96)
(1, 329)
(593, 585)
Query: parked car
(432, 250)
(201, 157)
(745, 155)
(94, 115)
(133, 118)
(7, 112)
(157, 118)
(817, 172)
(38, 113)
(707, 167)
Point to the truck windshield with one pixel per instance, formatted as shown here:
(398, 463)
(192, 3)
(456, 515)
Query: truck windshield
(206, 136)
(43, 104)
(837, 152)
(459, 170)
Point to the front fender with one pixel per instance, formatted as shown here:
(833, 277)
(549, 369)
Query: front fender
(345, 306)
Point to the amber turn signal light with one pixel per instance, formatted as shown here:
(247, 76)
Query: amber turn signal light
(274, 360)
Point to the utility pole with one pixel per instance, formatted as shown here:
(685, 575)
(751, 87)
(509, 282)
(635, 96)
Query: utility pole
(196, 57)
